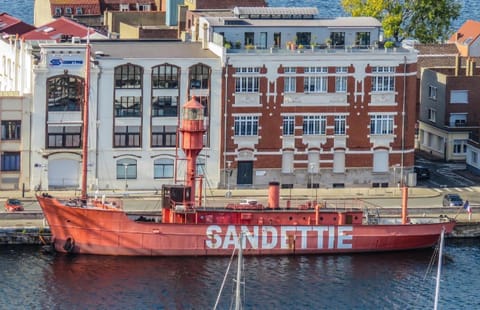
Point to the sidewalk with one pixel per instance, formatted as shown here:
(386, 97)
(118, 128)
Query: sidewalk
(297, 193)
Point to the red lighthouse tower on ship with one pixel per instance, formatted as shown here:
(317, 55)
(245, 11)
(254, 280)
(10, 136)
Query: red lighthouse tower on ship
(192, 130)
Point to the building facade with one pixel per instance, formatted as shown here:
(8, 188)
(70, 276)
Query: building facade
(137, 90)
(311, 102)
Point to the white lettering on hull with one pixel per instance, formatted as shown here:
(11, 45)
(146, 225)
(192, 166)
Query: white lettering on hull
(283, 237)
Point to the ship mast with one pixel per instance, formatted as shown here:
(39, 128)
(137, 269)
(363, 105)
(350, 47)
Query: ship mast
(85, 122)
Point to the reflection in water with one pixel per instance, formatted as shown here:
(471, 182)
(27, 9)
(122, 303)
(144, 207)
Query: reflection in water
(31, 279)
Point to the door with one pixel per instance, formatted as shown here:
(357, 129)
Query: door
(63, 173)
(245, 173)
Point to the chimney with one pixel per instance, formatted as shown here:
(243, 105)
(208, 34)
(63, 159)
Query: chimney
(457, 64)
(205, 37)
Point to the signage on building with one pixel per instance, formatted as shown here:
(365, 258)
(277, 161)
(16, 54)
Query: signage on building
(60, 62)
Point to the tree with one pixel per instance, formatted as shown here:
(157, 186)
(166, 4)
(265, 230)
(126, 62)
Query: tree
(425, 20)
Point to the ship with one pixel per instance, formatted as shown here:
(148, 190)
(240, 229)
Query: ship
(92, 225)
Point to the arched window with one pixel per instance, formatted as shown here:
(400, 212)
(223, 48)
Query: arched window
(163, 168)
(65, 93)
(128, 76)
(199, 76)
(165, 77)
(126, 169)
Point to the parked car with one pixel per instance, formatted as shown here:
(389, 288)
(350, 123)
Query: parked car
(452, 200)
(13, 205)
(423, 173)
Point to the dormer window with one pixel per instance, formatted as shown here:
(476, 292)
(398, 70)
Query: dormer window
(58, 11)
(124, 7)
(79, 11)
(68, 11)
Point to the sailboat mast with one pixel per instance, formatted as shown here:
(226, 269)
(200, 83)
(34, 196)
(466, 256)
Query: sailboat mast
(85, 122)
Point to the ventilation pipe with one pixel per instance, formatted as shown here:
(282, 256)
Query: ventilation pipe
(273, 195)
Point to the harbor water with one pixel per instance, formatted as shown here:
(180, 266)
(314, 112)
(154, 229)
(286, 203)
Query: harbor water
(32, 279)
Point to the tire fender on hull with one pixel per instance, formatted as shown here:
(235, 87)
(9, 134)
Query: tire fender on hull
(69, 245)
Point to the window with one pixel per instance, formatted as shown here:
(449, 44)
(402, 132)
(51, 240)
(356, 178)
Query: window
(163, 168)
(244, 83)
(64, 136)
(289, 125)
(126, 169)
(459, 96)
(474, 157)
(315, 83)
(432, 92)
(164, 106)
(58, 11)
(128, 76)
(432, 115)
(249, 38)
(68, 11)
(143, 7)
(204, 102)
(246, 125)
(165, 77)
(458, 119)
(303, 38)
(290, 81)
(11, 130)
(124, 7)
(164, 136)
(383, 79)
(459, 146)
(127, 136)
(201, 166)
(338, 38)
(381, 124)
(314, 124)
(128, 106)
(199, 76)
(10, 161)
(79, 11)
(362, 39)
(65, 93)
(340, 124)
(341, 79)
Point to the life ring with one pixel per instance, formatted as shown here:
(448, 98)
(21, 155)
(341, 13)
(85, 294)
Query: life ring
(69, 245)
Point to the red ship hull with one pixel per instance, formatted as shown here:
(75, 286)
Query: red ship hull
(98, 230)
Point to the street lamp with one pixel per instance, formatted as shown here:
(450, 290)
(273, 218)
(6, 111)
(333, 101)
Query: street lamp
(228, 194)
(126, 182)
(312, 171)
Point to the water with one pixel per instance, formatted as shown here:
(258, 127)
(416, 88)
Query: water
(23, 9)
(33, 280)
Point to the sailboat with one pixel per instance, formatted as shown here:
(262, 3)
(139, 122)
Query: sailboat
(99, 226)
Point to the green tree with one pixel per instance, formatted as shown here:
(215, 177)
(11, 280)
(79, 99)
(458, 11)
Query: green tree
(426, 20)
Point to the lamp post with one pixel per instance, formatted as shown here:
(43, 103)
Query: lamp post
(228, 194)
(312, 171)
(125, 165)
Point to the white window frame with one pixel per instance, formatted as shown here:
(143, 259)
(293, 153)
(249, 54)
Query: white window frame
(432, 92)
(124, 7)
(340, 124)
(381, 124)
(290, 84)
(383, 79)
(459, 146)
(341, 80)
(68, 11)
(246, 125)
(315, 80)
(288, 128)
(247, 80)
(432, 115)
(314, 124)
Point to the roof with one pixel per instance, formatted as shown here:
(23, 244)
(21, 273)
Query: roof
(150, 49)
(74, 2)
(129, 1)
(13, 25)
(341, 22)
(467, 33)
(58, 29)
(275, 11)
